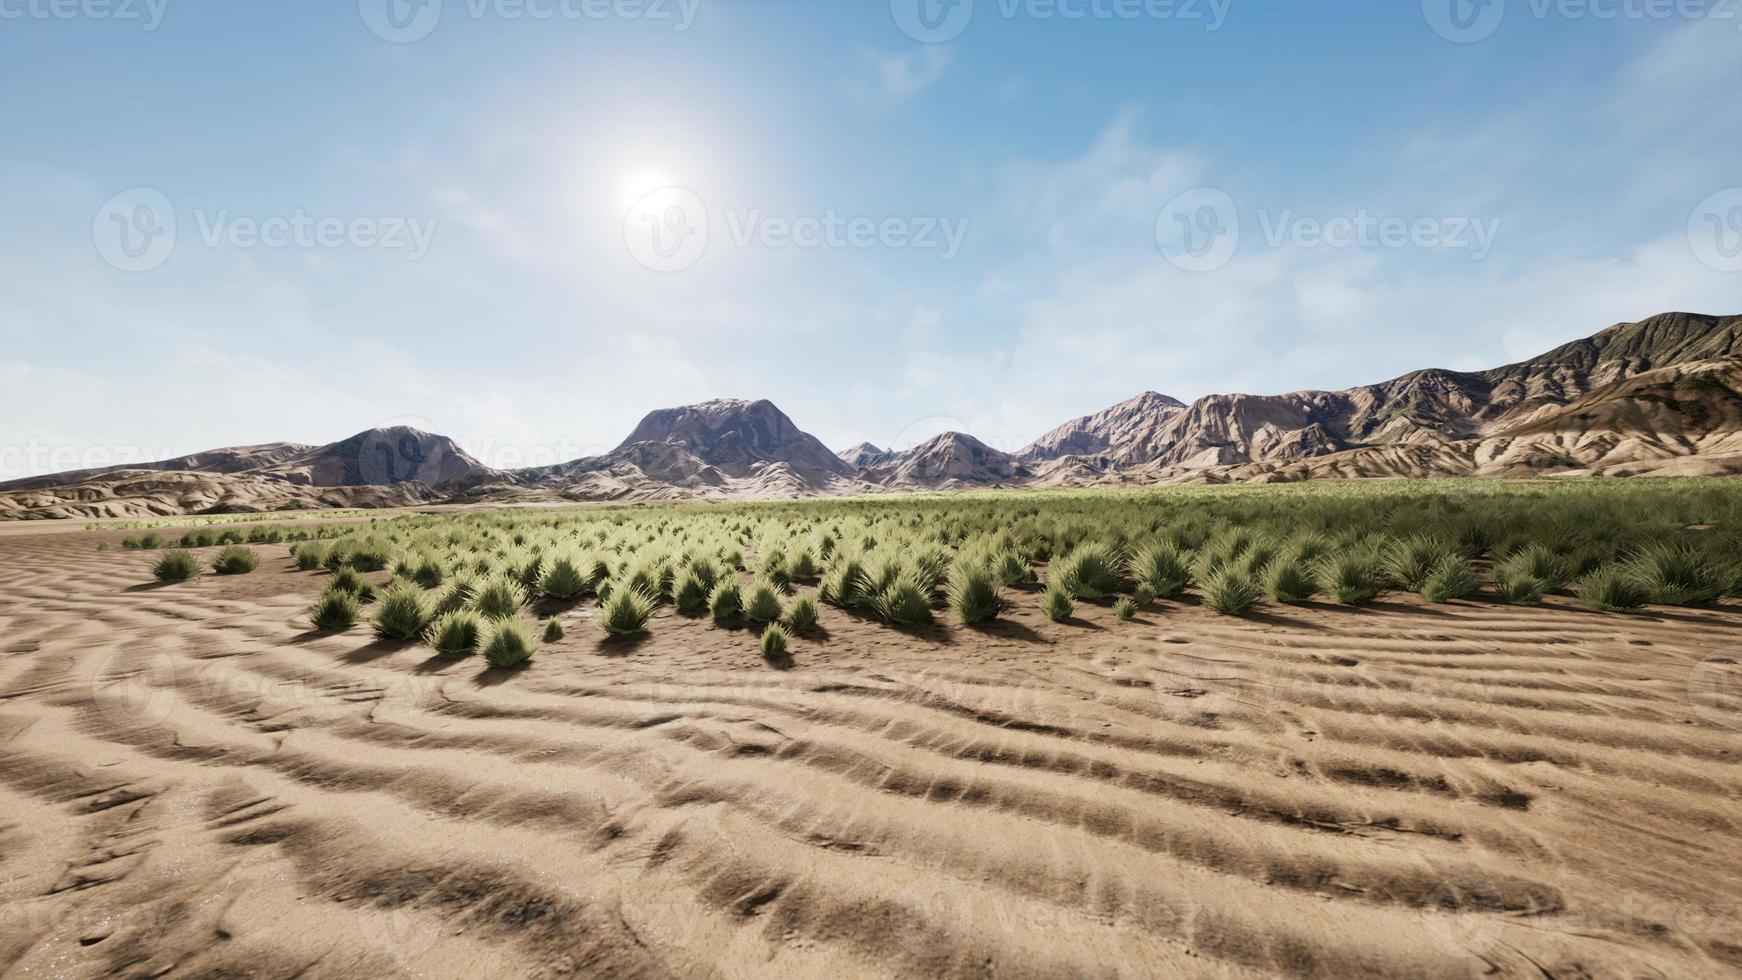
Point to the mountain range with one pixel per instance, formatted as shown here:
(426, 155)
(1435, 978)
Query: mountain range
(1656, 397)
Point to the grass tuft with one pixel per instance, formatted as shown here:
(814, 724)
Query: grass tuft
(775, 641)
(1229, 591)
(1611, 588)
(175, 566)
(455, 634)
(335, 610)
(236, 560)
(973, 592)
(403, 612)
(507, 642)
(626, 612)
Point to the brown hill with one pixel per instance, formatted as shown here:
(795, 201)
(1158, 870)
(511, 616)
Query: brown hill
(1127, 430)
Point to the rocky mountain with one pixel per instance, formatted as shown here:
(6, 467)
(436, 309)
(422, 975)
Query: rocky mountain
(948, 461)
(1128, 430)
(865, 455)
(740, 438)
(1659, 396)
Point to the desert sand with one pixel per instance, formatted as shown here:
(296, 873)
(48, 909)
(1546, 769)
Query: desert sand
(192, 784)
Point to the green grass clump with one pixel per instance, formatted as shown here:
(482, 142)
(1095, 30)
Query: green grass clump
(1611, 589)
(1125, 609)
(335, 610)
(1410, 562)
(1229, 591)
(175, 566)
(775, 640)
(1010, 569)
(553, 630)
(727, 602)
(564, 577)
(974, 594)
(763, 604)
(1160, 568)
(427, 572)
(904, 603)
(1452, 578)
(1519, 588)
(403, 612)
(499, 597)
(803, 613)
(1680, 574)
(692, 591)
(457, 594)
(310, 555)
(236, 560)
(1057, 602)
(1538, 562)
(1353, 577)
(456, 633)
(1288, 579)
(1090, 572)
(507, 642)
(844, 584)
(350, 580)
(1143, 595)
(626, 612)
(151, 542)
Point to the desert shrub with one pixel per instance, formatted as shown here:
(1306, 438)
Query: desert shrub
(904, 603)
(1680, 574)
(1353, 577)
(626, 612)
(1408, 563)
(1611, 589)
(692, 591)
(803, 613)
(1451, 579)
(563, 577)
(974, 594)
(845, 584)
(455, 633)
(1143, 595)
(1057, 602)
(1010, 569)
(1289, 579)
(151, 542)
(1519, 589)
(1125, 609)
(198, 539)
(175, 566)
(1229, 591)
(1091, 571)
(310, 555)
(499, 597)
(130, 544)
(727, 602)
(801, 566)
(403, 612)
(1160, 568)
(507, 642)
(335, 610)
(102, 546)
(775, 640)
(368, 557)
(457, 594)
(349, 580)
(1539, 562)
(235, 560)
(426, 571)
(762, 604)
(553, 630)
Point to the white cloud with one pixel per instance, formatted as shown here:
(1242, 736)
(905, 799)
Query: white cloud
(900, 77)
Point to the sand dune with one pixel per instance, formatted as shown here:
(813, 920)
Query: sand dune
(191, 783)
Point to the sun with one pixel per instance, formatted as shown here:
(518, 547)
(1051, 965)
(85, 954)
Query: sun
(640, 183)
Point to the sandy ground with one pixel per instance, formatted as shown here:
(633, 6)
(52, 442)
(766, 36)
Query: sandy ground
(192, 784)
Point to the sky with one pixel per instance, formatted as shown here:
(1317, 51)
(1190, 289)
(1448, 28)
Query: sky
(526, 223)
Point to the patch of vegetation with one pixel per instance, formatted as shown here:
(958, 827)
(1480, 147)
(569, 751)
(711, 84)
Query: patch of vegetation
(175, 566)
(455, 633)
(1229, 591)
(775, 641)
(335, 610)
(974, 594)
(507, 642)
(626, 612)
(235, 560)
(403, 612)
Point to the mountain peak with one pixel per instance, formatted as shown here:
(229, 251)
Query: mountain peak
(1123, 428)
(738, 437)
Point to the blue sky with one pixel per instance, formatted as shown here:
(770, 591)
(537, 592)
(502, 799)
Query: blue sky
(1006, 204)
